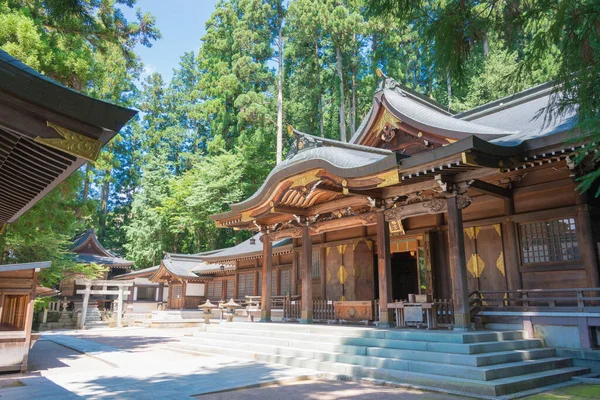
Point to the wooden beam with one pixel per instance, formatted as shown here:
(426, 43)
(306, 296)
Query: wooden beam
(345, 202)
(289, 210)
(488, 188)
(406, 189)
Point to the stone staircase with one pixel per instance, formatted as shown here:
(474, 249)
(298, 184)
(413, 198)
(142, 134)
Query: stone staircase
(481, 363)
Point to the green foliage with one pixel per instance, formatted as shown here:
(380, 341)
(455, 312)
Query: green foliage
(39, 235)
(87, 45)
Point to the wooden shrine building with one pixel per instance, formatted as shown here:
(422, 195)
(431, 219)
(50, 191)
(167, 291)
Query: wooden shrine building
(478, 209)
(88, 249)
(47, 131)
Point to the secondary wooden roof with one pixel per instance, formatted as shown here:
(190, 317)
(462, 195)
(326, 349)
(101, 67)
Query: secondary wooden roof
(89, 250)
(47, 131)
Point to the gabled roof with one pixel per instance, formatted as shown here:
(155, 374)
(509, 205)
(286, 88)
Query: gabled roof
(420, 113)
(140, 273)
(509, 121)
(345, 160)
(89, 250)
(526, 113)
(249, 248)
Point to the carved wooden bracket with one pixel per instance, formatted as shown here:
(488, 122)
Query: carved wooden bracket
(73, 143)
(433, 206)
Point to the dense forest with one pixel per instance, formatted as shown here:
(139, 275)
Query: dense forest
(208, 137)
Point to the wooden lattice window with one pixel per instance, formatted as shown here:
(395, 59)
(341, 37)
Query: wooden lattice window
(214, 290)
(230, 289)
(14, 312)
(316, 264)
(286, 282)
(176, 291)
(549, 241)
(273, 283)
(245, 285)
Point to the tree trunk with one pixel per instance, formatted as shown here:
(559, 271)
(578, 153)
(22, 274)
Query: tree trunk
(486, 45)
(374, 44)
(338, 53)
(104, 207)
(280, 85)
(449, 88)
(320, 92)
(353, 113)
(86, 182)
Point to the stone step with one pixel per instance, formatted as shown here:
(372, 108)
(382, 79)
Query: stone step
(413, 350)
(411, 335)
(483, 388)
(415, 365)
(358, 345)
(475, 360)
(366, 332)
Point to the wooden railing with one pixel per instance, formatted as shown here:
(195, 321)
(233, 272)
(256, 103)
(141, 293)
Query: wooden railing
(291, 309)
(563, 300)
(323, 310)
(445, 311)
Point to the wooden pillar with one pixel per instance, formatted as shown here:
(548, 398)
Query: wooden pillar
(86, 300)
(132, 294)
(294, 270)
(29, 319)
(278, 280)
(384, 270)
(587, 251)
(323, 271)
(235, 285)
(161, 290)
(458, 266)
(510, 241)
(265, 310)
(307, 298)
(120, 307)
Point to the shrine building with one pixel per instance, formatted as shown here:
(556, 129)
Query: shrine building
(477, 212)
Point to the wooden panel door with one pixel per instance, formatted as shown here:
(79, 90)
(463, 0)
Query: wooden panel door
(334, 270)
(175, 297)
(363, 270)
(485, 258)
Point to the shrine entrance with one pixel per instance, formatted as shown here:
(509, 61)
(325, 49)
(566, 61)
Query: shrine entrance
(405, 275)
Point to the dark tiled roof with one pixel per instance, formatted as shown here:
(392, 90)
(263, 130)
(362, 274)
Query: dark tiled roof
(182, 266)
(346, 160)
(101, 260)
(29, 84)
(134, 274)
(248, 248)
(526, 113)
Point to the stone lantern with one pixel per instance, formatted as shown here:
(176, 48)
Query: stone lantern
(207, 307)
(231, 306)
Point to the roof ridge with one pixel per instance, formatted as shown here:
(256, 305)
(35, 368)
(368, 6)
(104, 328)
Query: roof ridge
(319, 141)
(507, 101)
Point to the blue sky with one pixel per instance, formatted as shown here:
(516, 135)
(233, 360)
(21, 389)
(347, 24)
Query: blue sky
(181, 23)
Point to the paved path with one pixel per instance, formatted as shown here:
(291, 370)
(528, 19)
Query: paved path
(328, 390)
(131, 364)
